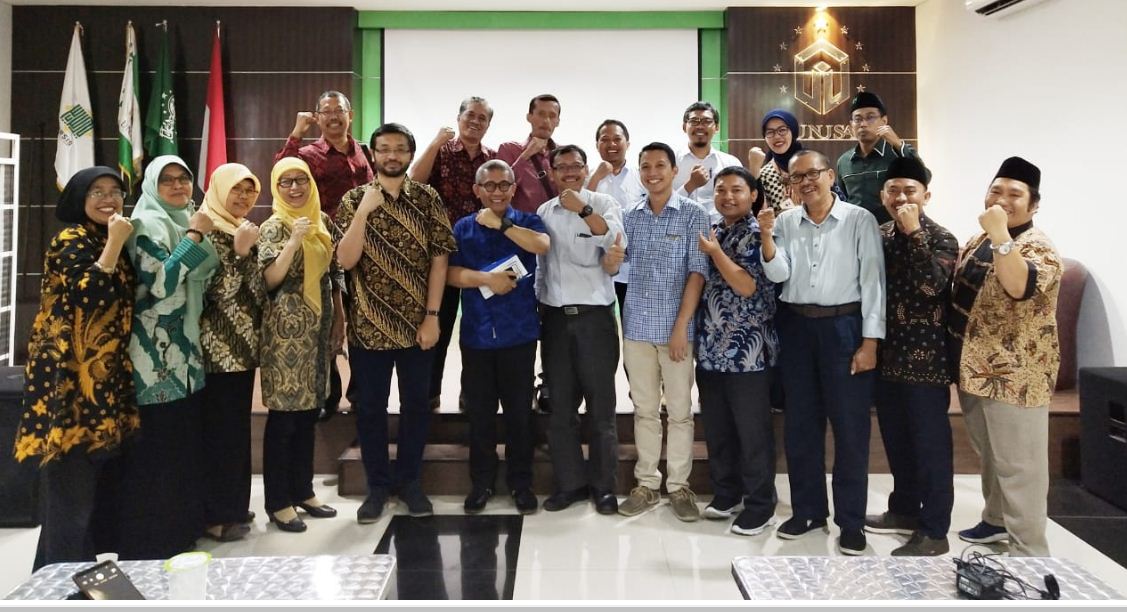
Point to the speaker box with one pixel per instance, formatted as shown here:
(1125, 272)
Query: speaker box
(1103, 433)
(19, 482)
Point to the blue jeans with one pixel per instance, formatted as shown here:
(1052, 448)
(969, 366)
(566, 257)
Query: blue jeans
(371, 376)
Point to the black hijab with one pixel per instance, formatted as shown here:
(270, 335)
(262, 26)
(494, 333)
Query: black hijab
(783, 160)
(71, 207)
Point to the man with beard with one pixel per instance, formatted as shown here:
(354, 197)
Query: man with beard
(529, 159)
(449, 165)
(395, 252)
(700, 161)
(338, 164)
(861, 170)
(618, 180)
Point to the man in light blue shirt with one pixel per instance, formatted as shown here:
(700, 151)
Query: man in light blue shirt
(828, 256)
(667, 273)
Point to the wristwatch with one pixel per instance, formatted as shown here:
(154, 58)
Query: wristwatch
(432, 313)
(506, 223)
(586, 211)
(1004, 248)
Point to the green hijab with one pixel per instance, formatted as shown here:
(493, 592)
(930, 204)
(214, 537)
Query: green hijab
(166, 226)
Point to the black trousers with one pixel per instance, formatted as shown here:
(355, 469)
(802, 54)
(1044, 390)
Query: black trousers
(916, 432)
(815, 360)
(447, 315)
(580, 356)
(287, 458)
(504, 375)
(161, 507)
(738, 430)
(78, 505)
(225, 405)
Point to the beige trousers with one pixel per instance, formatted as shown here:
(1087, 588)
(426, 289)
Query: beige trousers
(1013, 442)
(651, 371)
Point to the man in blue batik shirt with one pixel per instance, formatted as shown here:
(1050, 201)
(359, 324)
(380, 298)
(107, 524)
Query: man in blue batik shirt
(736, 344)
(498, 333)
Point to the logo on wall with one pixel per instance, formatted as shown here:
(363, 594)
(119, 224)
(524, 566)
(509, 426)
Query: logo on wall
(821, 76)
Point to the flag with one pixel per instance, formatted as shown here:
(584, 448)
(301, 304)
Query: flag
(129, 151)
(160, 120)
(213, 141)
(76, 120)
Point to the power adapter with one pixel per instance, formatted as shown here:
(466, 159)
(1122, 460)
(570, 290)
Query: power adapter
(977, 581)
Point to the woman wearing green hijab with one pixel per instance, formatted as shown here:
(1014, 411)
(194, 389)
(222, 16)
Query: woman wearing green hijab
(162, 511)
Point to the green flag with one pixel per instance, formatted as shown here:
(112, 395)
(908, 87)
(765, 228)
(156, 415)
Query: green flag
(129, 151)
(160, 121)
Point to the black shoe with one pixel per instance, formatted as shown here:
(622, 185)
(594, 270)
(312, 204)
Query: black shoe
(322, 511)
(372, 508)
(605, 503)
(327, 412)
(250, 517)
(562, 499)
(435, 404)
(525, 501)
(476, 500)
(851, 542)
(417, 503)
(795, 528)
(294, 525)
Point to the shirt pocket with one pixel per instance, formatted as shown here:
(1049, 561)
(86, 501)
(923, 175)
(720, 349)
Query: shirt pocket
(670, 252)
(585, 249)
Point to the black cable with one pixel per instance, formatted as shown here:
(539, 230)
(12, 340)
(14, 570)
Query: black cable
(984, 576)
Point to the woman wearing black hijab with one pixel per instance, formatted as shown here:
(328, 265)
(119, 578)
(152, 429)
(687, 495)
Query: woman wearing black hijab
(79, 401)
(780, 131)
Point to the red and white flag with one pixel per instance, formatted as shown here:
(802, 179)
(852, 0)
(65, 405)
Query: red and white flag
(213, 145)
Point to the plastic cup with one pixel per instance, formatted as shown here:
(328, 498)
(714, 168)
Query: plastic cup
(187, 575)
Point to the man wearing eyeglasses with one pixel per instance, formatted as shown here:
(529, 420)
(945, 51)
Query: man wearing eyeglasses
(580, 334)
(529, 159)
(499, 331)
(861, 170)
(336, 160)
(697, 164)
(395, 251)
(449, 165)
(828, 256)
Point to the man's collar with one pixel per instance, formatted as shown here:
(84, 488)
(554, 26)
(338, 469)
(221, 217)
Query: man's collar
(673, 202)
(547, 149)
(324, 146)
(836, 211)
(878, 148)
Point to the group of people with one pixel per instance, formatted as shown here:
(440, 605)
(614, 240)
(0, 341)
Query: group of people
(142, 359)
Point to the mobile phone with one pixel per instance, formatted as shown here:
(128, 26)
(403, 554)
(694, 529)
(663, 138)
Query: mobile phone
(106, 581)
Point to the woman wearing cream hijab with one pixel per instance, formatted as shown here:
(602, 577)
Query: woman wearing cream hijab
(302, 328)
(229, 335)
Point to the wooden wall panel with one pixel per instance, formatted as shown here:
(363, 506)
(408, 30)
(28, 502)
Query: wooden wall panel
(276, 61)
(762, 44)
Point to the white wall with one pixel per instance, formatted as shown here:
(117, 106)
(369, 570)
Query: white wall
(1048, 83)
(647, 85)
(5, 67)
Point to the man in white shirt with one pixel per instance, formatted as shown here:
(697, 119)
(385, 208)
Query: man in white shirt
(579, 336)
(618, 180)
(700, 162)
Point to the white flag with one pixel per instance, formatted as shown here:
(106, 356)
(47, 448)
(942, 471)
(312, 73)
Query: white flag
(76, 120)
(129, 148)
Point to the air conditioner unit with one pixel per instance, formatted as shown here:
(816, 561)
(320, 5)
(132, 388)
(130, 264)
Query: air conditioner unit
(998, 8)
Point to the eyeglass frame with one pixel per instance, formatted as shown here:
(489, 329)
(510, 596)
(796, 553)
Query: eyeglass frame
(495, 186)
(813, 174)
(866, 119)
(300, 181)
(701, 121)
(779, 131)
(98, 194)
(243, 192)
(168, 181)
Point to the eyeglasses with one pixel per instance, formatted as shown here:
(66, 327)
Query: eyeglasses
(336, 112)
(491, 186)
(870, 118)
(705, 121)
(569, 167)
(813, 175)
(782, 131)
(242, 193)
(400, 151)
(116, 194)
(300, 181)
(169, 181)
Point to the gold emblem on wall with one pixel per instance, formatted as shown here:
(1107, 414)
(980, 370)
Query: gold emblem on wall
(821, 76)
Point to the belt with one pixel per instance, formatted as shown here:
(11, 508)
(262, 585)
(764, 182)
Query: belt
(815, 311)
(576, 309)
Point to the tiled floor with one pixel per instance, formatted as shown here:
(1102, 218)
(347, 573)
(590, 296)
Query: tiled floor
(578, 554)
